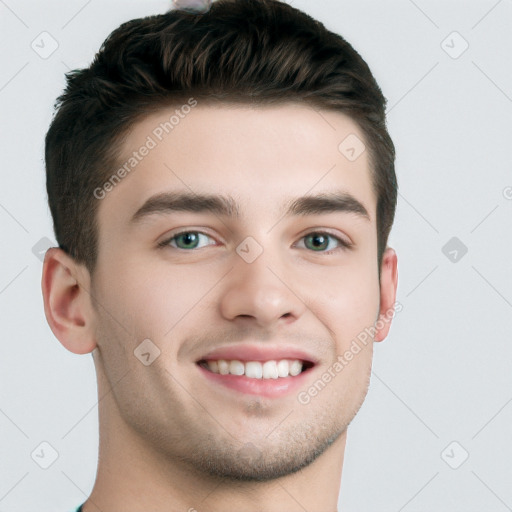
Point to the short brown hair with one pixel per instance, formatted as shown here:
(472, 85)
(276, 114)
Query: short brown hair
(249, 51)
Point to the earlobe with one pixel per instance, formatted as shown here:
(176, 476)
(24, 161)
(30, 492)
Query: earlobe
(67, 302)
(388, 286)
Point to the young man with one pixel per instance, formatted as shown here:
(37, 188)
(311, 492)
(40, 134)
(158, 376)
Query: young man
(222, 188)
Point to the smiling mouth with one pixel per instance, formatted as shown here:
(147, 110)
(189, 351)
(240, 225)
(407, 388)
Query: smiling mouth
(263, 370)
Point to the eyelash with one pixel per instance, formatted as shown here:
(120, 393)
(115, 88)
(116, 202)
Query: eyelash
(343, 244)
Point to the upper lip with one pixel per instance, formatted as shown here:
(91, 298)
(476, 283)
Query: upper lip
(248, 352)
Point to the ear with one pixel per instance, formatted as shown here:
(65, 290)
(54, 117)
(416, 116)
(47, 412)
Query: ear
(67, 302)
(388, 284)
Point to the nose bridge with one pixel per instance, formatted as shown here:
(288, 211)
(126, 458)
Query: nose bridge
(257, 285)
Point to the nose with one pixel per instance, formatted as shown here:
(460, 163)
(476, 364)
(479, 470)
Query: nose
(261, 292)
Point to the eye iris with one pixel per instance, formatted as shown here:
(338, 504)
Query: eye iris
(189, 237)
(316, 237)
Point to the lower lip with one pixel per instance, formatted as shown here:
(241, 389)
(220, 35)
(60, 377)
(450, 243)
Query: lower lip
(271, 388)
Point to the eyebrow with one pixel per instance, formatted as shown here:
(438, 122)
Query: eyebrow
(226, 206)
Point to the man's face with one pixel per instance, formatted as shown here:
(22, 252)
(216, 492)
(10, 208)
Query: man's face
(256, 279)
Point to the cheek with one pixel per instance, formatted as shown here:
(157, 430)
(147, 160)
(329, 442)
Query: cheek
(348, 302)
(150, 299)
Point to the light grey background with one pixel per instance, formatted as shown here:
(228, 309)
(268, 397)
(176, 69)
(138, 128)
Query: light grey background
(442, 381)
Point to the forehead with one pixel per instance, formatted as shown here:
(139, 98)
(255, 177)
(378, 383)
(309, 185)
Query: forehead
(264, 157)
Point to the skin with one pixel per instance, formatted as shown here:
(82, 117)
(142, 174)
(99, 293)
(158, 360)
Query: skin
(169, 439)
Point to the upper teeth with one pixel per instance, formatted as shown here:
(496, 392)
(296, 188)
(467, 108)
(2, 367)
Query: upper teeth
(257, 369)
